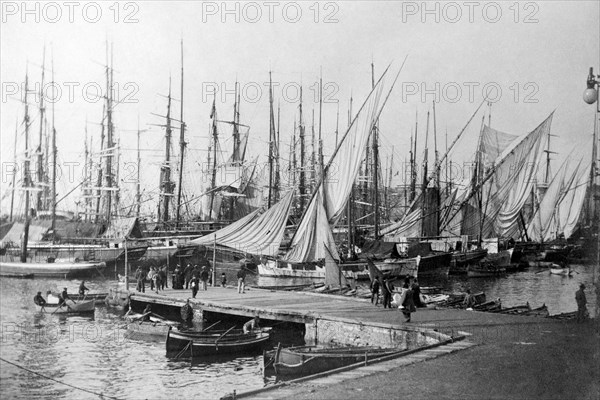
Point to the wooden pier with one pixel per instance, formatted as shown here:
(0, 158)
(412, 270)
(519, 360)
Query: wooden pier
(326, 317)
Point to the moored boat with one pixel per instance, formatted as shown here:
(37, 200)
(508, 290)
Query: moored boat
(56, 269)
(206, 343)
(556, 269)
(80, 307)
(308, 360)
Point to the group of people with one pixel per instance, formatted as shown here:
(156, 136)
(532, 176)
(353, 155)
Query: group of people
(407, 299)
(157, 276)
(39, 300)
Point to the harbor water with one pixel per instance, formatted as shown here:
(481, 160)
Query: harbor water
(93, 354)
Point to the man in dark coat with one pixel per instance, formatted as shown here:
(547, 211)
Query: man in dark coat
(187, 275)
(375, 291)
(409, 303)
(204, 277)
(581, 304)
(139, 278)
(39, 300)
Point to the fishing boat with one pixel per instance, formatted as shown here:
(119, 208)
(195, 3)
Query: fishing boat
(206, 343)
(308, 360)
(56, 269)
(556, 269)
(461, 260)
(153, 327)
(80, 307)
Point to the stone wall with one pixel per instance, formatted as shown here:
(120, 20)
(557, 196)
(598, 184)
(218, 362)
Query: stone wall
(351, 333)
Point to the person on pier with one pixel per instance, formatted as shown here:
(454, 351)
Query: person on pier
(375, 291)
(187, 275)
(409, 303)
(386, 290)
(223, 279)
(241, 275)
(582, 311)
(139, 279)
(204, 277)
(251, 325)
(82, 288)
(194, 285)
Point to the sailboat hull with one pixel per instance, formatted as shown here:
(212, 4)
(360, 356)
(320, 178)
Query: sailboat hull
(59, 269)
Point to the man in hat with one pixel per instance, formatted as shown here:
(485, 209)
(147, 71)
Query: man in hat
(82, 288)
(204, 277)
(39, 299)
(63, 297)
(581, 304)
(139, 278)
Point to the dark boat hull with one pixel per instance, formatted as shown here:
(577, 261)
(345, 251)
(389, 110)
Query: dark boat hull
(305, 361)
(197, 346)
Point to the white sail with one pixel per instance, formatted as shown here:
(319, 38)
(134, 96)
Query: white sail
(313, 234)
(572, 203)
(543, 222)
(257, 233)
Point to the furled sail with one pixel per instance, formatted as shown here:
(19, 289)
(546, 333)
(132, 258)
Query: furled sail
(506, 187)
(259, 234)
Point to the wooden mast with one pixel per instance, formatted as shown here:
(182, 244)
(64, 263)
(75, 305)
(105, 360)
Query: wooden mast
(14, 175)
(54, 149)
(165, 180)
(40, 155)
(26, 177)
(375, 167)
(302, 183)
(271, 144)
(215, 135)
(182, 145)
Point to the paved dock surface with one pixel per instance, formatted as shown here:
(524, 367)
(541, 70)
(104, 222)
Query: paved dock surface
(503, 357)
(507, 357)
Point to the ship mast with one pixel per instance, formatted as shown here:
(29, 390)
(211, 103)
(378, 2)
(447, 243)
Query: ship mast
(182, 145)
(302, 183)
(40, 163)
(26, 177)
(54, 149)
(215, 134)
(375, 166)
(166, 185)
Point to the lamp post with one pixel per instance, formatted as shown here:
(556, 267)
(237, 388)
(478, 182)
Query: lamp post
(590, 96)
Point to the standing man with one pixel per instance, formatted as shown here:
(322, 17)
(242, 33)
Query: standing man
(581, 304)
(187, 275)
(139, 278)
(194, 285)
(375, 291)
(241, 275)
(204, 277)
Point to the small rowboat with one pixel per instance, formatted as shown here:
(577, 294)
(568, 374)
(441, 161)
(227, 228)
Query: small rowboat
(558, 270)
(205, 343)
(68, 307)
(308, 360)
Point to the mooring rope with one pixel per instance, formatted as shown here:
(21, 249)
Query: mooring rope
(56, 380)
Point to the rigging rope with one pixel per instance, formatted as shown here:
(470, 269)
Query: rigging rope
(56, 380)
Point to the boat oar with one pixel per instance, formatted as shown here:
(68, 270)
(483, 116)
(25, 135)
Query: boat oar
(58, 308)
(205, 329)
(226, 332)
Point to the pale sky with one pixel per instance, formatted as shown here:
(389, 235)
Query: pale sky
(537, 53)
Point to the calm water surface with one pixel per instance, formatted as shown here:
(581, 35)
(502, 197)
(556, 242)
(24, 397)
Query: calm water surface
(93, 353)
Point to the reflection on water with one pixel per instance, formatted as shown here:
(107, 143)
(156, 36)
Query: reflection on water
(92, 352)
